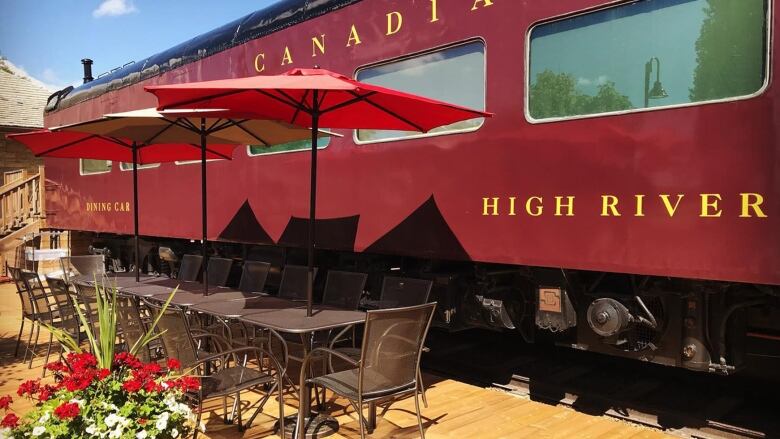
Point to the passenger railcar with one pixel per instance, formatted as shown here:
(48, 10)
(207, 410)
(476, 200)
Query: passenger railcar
(624, 198)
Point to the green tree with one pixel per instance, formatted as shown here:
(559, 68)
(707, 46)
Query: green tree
(556, 95)
(730, 50)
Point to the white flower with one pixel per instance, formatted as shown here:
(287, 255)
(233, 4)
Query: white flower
(39, 430)
(174, 433)
(92, 430)
(141, 434)
(5, 433)
(43, 419)
(162, 421)
(116, 433)
(114, 419)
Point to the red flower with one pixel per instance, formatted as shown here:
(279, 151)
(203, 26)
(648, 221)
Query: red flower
(187, 383)
(46, 392)
(29, 387)
(132, 386)
(174, 364)
(67, 410)
(58, 366)
(141, 421)
(82, 362)
(79, 380)
(5, 402)
(126, 359)
(102, 374)
(10, 421)
(152, 368)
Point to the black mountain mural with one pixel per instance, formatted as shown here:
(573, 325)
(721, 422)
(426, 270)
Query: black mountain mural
(423, 233)
(244, 227)
(333, 233)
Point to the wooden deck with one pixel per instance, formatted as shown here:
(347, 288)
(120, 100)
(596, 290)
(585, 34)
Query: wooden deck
(457, 410)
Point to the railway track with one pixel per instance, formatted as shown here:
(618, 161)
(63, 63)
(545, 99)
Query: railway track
(683, 403)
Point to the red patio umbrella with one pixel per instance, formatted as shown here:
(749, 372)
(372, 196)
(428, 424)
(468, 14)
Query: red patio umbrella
(312, 98)
(71, 144)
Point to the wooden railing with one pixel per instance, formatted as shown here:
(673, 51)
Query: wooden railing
(21, 200)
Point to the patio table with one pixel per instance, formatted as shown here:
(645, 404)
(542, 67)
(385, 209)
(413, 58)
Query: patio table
(234, 309)
(121, 280)
(295, 321)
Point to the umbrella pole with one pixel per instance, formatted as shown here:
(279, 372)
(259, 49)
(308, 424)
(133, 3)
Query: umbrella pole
(135, 209)
(315, 119)
(203, 204)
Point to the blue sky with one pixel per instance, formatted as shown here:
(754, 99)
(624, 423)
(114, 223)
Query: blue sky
(48, 38)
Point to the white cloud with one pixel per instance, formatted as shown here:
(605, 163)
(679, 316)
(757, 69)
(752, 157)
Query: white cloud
(601, 80)
(114, 8)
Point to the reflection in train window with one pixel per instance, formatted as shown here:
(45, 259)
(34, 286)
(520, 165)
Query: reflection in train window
(652, 53)
(89, 166)
(298, 145)
(455, 74)
(129, 166)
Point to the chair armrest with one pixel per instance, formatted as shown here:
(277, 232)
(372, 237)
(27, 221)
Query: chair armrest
(234, 352)
(330, 352)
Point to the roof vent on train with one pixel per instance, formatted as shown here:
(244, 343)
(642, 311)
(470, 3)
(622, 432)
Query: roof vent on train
(87, 63)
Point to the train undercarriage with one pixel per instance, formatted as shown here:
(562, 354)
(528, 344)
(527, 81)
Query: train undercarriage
(699, 325)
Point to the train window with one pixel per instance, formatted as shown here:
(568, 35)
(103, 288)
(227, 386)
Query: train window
(454, 74)
(647, 54)
(90, 167)
(129, 166)
(299, 145)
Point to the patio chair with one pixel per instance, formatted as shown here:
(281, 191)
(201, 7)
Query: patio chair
(343, 289)
(87, 298)
(86, 265)
(388, 367)
(253, 276)
(47, 313)
(133, 327)
(294, 282)
(399, 292)
(218, 271)
(224, 371)
(189, 269)
(28, 309)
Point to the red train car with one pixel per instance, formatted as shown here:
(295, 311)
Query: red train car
(624, 199)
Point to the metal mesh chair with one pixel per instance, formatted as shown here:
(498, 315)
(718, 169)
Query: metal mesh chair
(388, 365)
(86, 265)
(189, 269)
(223, 371)
(218, 271)
(253, 276)
(87, 299)
(343, 289)
(294, 282)
(47, 313)
(132, 325)
(28, 309)
(403, 291)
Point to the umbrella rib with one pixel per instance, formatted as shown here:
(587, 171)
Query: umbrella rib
(217, 153)
(216, 122)
(182, 104)
(390, 112)
(57, 148)
(159, 133)
(223, 125)
(242, 128)
(298, 110)
(187, 124)
(349, 102)
(284, 101)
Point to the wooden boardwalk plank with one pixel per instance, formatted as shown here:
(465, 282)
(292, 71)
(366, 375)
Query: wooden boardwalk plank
(457, 410)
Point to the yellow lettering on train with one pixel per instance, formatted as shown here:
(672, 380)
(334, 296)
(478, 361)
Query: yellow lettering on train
(609, 205)
(538, 208)
(317, 44)
(709, 206)
(260, 62)
(569, 206)
(434, 11)
(353, 37)
(394, 22)
(640, 205)
(752, 201)
(669, 208)
(287, 58)
(486, 3)
(488, 205)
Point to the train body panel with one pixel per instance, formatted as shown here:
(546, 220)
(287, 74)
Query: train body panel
(450, 196)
